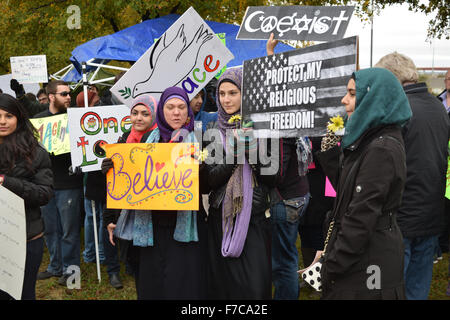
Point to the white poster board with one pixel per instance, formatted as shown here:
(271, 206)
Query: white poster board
(13, 239)
(187, 55)
(91, 128)
(29, 69)
(5, 85)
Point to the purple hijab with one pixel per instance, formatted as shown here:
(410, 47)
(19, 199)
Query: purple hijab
(165, 130)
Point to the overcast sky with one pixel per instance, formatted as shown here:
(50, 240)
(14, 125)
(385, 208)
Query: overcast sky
(398, 29)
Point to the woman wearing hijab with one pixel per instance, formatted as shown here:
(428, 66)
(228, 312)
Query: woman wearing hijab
(25, 169)
(238, 230)
(143, 121)
(364, 252)
(165, 244)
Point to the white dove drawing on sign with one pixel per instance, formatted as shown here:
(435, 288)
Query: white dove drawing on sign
(176, 52)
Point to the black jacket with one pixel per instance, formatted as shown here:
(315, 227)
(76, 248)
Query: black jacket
(35, 188)
(426, 139)
(289, 184)
(365, 232)
(220, 173)
(319, 204)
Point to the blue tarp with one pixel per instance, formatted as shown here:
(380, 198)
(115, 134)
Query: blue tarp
(131, 43)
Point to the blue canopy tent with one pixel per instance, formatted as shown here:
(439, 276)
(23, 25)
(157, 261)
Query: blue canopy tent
(129, 44)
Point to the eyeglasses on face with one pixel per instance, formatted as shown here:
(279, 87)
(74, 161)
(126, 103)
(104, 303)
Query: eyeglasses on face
(63, 94)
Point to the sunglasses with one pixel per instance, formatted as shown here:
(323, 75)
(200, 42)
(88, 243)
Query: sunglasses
(63, 94)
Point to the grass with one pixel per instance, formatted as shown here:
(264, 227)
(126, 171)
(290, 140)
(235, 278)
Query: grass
(91, 289)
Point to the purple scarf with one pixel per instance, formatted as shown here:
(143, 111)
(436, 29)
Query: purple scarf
(237, 203)
(165, 130)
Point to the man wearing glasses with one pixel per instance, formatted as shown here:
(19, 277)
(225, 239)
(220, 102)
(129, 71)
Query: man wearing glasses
(62, 215)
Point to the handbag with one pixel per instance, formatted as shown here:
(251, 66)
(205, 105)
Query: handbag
(312, 274)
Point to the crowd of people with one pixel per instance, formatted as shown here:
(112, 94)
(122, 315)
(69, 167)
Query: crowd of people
(388, 170)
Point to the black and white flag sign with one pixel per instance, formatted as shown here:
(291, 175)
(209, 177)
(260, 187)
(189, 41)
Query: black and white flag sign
(309, 23)
(295, 93)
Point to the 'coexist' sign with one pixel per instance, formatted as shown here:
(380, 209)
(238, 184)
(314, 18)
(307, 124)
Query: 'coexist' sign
(311, 23)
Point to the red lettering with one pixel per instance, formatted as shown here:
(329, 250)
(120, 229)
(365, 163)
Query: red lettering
(207, 63)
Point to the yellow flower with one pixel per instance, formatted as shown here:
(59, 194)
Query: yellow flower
(203, 155)
(235, 118)
(337, 123)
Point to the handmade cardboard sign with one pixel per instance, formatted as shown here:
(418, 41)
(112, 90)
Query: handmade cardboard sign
(29, 69)
(187, 55)
(91, 128)
(295, 93)
(153, 176)
(13, 237)
(53, 133)
(309, 23)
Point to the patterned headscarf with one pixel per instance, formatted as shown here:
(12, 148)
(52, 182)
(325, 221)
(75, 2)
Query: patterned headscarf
(235, 77)
(150, 103)
(165, 130)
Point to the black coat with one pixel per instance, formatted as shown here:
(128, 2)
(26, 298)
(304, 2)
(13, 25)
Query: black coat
(218, 175)
(35, 188)
(365, 232)
(426, 139)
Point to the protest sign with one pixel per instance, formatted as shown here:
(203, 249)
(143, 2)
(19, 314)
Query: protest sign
(29, 69)
(91, 128)
(53, 133)
(295, 93)
(153, 176)
(309, 23)
(188, 55)
(5, 85)
(13, 237)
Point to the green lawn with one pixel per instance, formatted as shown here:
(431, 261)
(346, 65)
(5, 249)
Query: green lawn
(91, 289)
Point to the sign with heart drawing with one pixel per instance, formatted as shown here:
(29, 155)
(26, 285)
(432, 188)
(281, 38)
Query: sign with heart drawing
(153, 176)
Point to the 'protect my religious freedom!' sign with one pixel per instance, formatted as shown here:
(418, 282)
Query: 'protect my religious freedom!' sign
(153, 176)
(295, 93)
(92, 128)
(309, 23)
(187, 55)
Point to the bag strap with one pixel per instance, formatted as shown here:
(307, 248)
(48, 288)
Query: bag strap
(330, 228)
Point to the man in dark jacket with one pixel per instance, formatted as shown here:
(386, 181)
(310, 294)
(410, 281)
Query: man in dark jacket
(421, 214)
(62, 214)
(444, 239)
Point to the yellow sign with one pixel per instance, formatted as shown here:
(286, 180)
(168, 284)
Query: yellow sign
(53, 133)
(153, 176)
